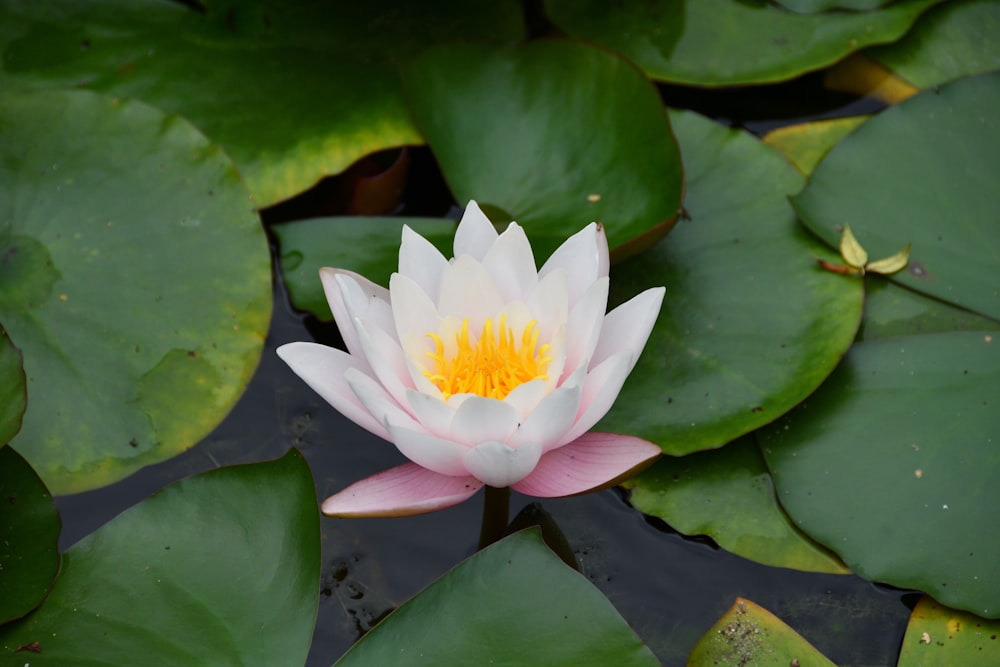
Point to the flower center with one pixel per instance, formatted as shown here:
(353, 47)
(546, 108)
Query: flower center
(493, 366)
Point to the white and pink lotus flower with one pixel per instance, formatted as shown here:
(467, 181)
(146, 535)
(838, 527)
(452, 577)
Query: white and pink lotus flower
(482, 370)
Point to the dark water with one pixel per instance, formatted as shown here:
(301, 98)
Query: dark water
(670, 588)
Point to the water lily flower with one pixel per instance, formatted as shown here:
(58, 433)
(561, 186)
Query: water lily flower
(482, 370)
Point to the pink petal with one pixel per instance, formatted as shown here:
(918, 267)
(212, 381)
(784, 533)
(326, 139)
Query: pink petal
(323, 369)
(500, 465)
(421, 261)
(592, 461)
(512, 264)
(402, 491)
(475, 233)
(628, 326)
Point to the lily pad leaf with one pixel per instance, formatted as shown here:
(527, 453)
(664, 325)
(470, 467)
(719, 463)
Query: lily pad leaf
(953, 40)
(750, 326)
(942, 637)
(29, 537)
(728, 495)
(12, 389)
(892, 310)
(575, 134)
(750, 635)
(513, 603)
(292, 91)
(219, 569)
(137, 282)
(726, 43)
(893, 463)
(366, 245)
(817, 6)
(944, 203)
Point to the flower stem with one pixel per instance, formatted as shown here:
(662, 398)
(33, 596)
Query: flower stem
(496, 509)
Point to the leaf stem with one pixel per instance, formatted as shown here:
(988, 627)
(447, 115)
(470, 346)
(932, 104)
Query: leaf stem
(496, 509)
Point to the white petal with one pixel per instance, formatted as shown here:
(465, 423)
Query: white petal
(512, 264)
(468, 290)
(549, 303)
(421, 261)
(584, 327)
(600, 390)
(433, 413)
(379, 403)
(584, 258)
(352, 295)
(498, 465)
(438, 454)
(627, 327)
(323, 369)
(524, 398)
(480, 419)
(553, 417)
(415, 316)
(475, 233)
(386, 359)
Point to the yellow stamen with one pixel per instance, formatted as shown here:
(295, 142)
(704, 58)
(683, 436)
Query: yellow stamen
(493, 366)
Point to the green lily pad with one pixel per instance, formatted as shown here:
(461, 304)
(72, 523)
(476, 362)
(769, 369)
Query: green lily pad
(29, 537)
(291, 91)
(725, 43)
(958, 38)
(219, 569)
(942, 637)
(817, 6)
(137, 282)
(750, 636)
(892, 310)
(12, 388)
(728, 495)
(574, 134)
(514, 603)
(943, 201)
(893, 463)
(750, 325)
(369, 246)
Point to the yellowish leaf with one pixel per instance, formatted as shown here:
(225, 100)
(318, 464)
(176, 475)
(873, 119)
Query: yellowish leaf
(851, 250)
(890, 264)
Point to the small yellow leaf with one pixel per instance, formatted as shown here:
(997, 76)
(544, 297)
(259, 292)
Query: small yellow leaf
(851, 250)
(892, 263)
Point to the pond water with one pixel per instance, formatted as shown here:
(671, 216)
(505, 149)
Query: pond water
(670, 588)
